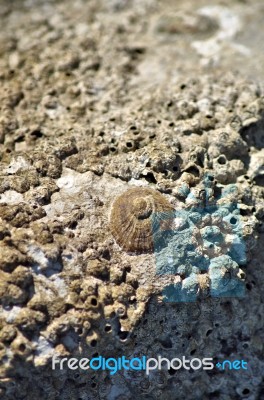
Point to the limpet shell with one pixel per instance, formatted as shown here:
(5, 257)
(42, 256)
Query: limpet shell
(131, 219)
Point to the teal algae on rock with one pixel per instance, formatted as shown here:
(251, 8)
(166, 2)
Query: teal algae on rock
(206, 238)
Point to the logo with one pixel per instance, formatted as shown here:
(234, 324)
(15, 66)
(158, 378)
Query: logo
(145, 364)
(229, 365)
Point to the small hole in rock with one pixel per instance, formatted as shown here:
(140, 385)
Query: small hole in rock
(150, 177)
(193, 170)
(221, 160)
(22, 347)
(94, 302)
(108, 328)
(246, 391)
(36, 133)
(20, 139)
(123, 335)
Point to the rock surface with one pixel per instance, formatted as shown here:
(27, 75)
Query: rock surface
(97, 97)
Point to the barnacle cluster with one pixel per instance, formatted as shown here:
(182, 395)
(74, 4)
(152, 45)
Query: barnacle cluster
(207, 239)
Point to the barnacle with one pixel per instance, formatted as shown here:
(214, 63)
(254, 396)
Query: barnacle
(131, 220)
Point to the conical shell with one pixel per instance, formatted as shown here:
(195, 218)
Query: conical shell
(131, 221)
